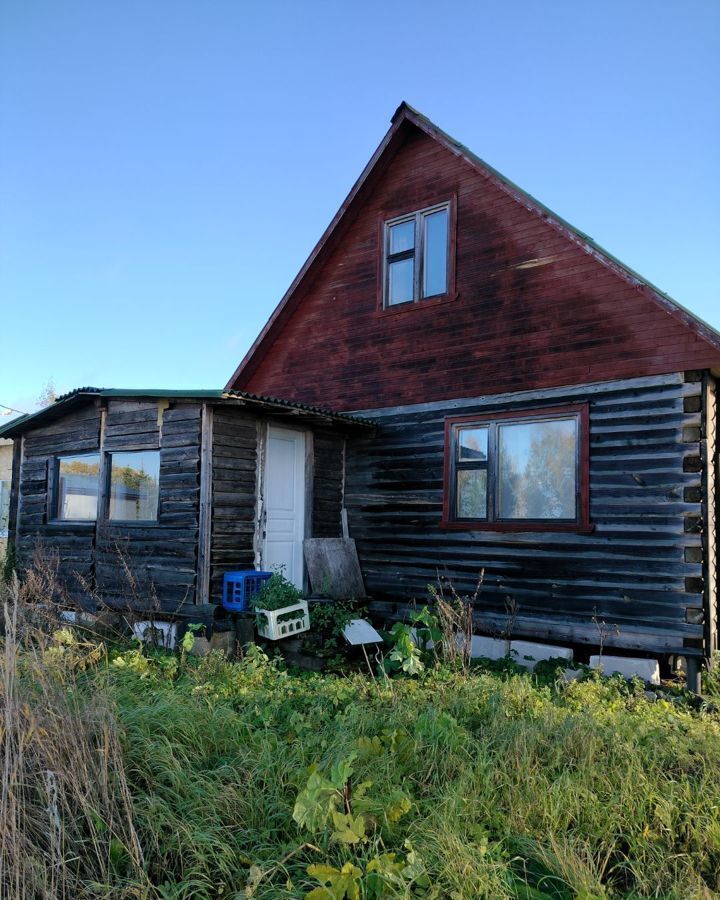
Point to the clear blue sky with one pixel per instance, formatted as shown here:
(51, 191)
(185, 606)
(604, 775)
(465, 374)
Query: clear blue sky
(166, 166)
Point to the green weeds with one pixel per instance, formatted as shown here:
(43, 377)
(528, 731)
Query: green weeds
(248, 781)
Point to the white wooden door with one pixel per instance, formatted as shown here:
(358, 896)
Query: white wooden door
(285, 503)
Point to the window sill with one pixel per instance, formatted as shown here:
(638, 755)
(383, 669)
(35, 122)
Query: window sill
(76, 523)
(509, 527)
(411, 306)
(131, 523)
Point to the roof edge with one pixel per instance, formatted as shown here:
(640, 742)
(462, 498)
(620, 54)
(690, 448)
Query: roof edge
(218, 395)
(584, 241)
(408, 114)
(397, 122)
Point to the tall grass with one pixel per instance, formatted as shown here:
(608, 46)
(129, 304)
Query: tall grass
(178, 780)
(66, 817)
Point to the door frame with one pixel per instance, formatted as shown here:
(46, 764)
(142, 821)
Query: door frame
(264, 426)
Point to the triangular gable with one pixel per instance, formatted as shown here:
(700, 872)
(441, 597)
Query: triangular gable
(405, 120)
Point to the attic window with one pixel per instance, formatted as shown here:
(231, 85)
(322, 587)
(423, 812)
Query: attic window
(417, 255)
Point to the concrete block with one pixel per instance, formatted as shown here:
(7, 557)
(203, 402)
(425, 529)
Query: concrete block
(490, 648)
(628, 667)
(520, 649)
(220, 640)
(224, 641)
(201, 647)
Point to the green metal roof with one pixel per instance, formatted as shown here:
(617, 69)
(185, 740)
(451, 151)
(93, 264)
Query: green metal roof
(66, 402)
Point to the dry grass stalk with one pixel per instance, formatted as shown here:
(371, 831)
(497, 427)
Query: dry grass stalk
(66, 817)
(455, 615)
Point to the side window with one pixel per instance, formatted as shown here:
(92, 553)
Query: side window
(518, 470)
(134, 486)
(77, 487)
(416, 256)
(4, 507)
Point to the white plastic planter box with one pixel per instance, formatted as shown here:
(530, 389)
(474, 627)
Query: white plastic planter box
(269, 627)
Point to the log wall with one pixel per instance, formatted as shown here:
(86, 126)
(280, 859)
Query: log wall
(234, 499)
(640, 571)
(122, 564)
(160, 559)
(328, 474)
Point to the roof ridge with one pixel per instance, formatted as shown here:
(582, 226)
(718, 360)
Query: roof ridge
(407, 113)
(596, 249)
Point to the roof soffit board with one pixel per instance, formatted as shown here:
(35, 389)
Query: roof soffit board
(406, 116)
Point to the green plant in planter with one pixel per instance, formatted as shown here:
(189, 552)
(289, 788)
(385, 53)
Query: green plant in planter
(277, 593)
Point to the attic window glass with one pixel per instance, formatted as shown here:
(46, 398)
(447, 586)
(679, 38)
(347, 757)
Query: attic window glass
(77, 487)
(416, 255)
(134, 485)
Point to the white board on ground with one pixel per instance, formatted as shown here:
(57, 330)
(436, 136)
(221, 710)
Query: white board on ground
(360, 631)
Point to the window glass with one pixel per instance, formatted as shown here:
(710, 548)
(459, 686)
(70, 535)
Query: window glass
(472, 444)
(77, 487)
(436, 253)
(134, 485)
(538, 469)
(401, 277)
(402, 237)
(416, 250)
(471, 499)
(4, 507)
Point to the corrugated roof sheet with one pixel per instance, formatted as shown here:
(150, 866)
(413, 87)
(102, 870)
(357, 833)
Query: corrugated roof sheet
(65, 401)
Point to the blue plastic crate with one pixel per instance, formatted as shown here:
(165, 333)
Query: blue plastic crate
(240, 587)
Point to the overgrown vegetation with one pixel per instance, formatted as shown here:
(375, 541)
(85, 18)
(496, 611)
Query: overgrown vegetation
(129, 772)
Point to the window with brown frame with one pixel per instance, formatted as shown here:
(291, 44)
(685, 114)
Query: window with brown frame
(518, 471)
(416, 255)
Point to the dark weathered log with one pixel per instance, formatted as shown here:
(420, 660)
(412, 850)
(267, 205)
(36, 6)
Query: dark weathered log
(631, 571)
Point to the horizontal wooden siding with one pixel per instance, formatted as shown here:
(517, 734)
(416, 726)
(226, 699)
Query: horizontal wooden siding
(639, 571)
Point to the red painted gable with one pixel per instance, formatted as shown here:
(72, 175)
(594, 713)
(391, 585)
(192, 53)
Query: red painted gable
(536, 306)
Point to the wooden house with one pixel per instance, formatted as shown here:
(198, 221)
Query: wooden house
(146, 497)
(544, 414)
(468, 385)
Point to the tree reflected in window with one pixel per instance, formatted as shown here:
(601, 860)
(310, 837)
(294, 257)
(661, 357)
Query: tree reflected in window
(538, 472)
(519, 468)
(134, 485)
